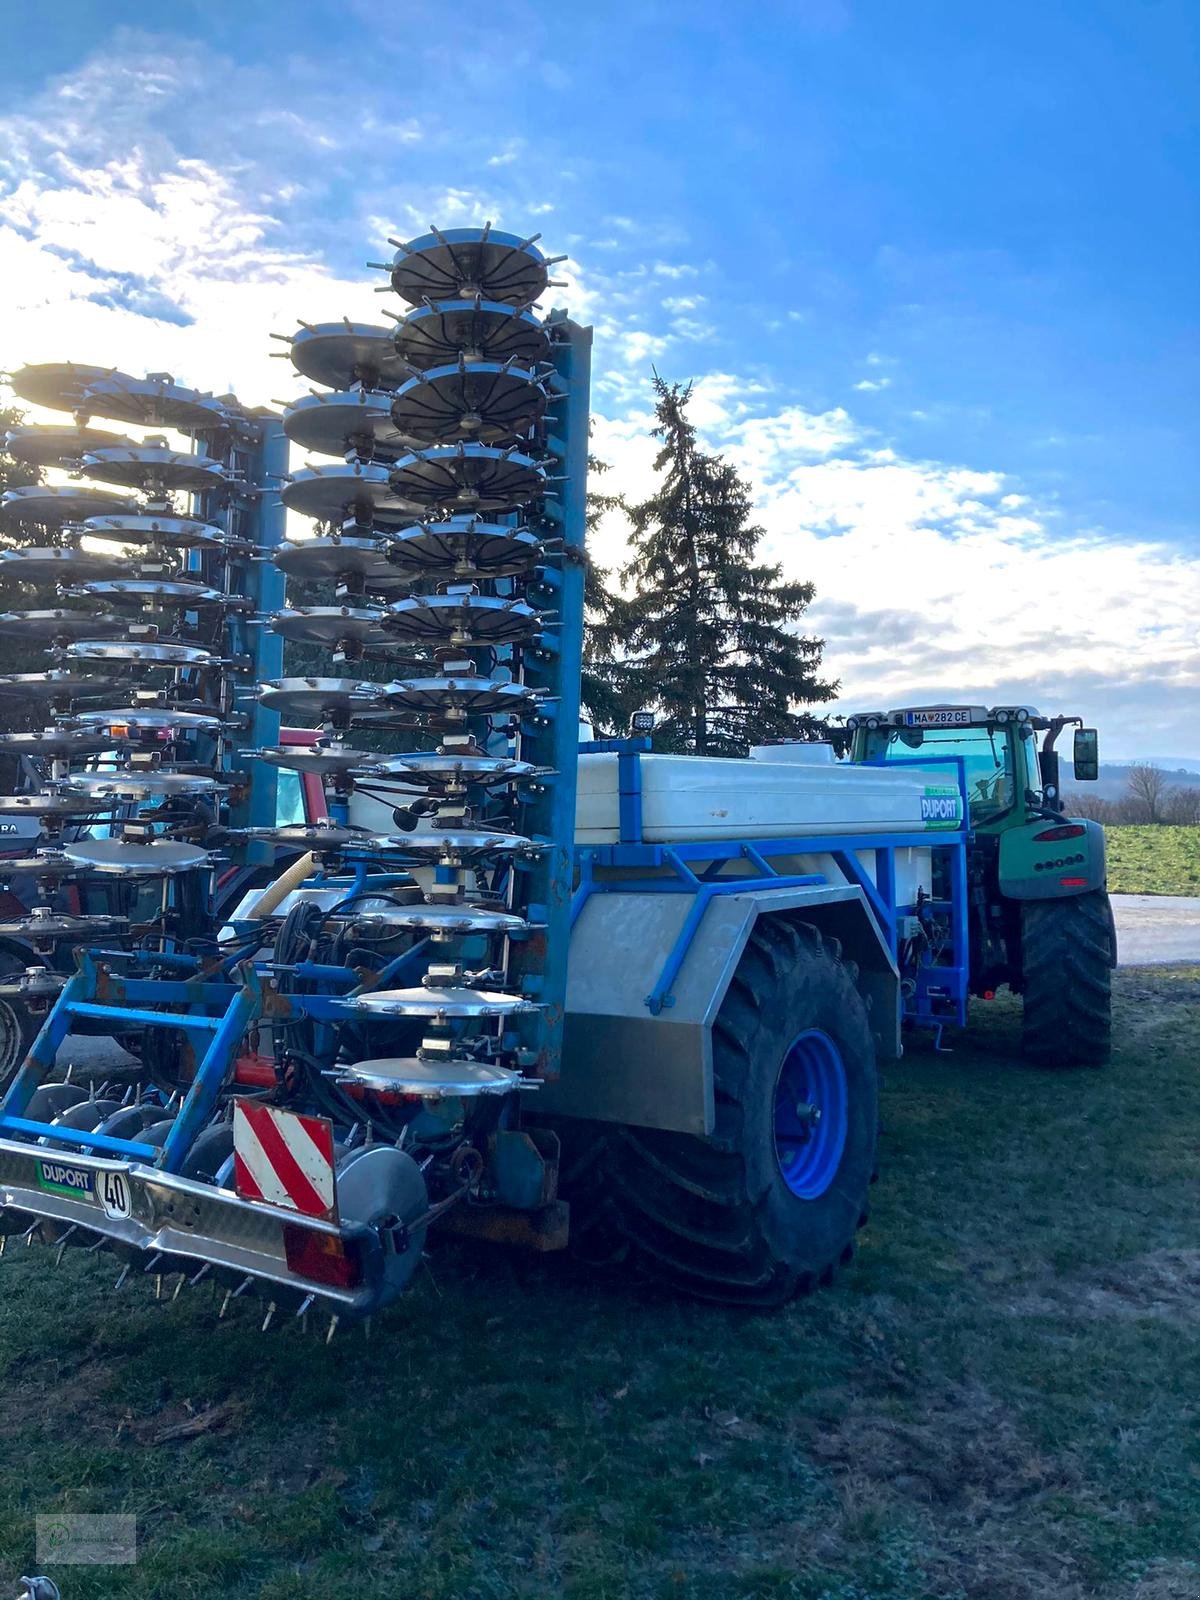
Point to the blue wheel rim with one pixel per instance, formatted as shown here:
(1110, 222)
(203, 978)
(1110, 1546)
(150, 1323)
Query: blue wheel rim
(811, 1114)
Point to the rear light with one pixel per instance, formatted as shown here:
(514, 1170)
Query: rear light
(1073, 883)
(1069, 830)
(321, 1257)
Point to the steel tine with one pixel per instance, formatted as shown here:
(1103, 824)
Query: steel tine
(63, 1242)
(333, 1325)
(125, 1271)
(266, 1322)
(183, 1278)
(305, 1305)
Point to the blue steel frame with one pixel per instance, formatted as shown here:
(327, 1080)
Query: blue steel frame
(940, 992)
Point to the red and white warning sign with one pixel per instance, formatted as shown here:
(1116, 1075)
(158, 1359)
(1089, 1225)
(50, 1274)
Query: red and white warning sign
(284, 1159)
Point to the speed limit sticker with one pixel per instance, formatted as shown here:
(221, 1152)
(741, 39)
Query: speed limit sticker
(112, 1191)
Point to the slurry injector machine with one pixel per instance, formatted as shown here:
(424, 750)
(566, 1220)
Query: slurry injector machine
(379, 1034)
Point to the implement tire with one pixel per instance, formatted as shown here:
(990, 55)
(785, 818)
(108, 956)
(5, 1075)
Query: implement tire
(1066, 956)
(769, 1206)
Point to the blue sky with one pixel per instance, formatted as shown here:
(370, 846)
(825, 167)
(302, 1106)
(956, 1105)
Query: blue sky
(933, 267)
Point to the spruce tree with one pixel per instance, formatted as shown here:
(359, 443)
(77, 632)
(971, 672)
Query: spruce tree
(708, 635)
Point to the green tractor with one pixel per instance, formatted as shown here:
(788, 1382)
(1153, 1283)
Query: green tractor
(1040, 918)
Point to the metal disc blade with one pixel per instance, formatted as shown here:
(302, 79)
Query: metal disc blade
(148, 718)
(432, 1080)
(153, 400)
(482, 330)
(481, 400)
(51, 506)
(49, 688)
(138, 654)
(155, 591)
(57, 385)
(50, 564)
(56, 743)
(444, 921)
(422, 1002)
(53, 446)
(137, 466)
(51, 925)
(58, 804)
(331, 625)
(57, 624)
(440, 771)
(142, 785)
(463, 547)
(35, 983)
(315, 836)
(459, 844)
(331, 493)
(469, 696)
(471, 477)
(332, 557)
(171, 533)
(342, 354)
(383, 1186)
(501, 266)
(326, 761)
(333, 423)
(127, 859)
(320, 697)
(436, 618)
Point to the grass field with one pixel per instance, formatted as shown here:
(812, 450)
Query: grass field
(998, 1402)
(1153, 860)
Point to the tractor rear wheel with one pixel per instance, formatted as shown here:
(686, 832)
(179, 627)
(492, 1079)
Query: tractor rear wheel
(1066, 956)
(768, 1207)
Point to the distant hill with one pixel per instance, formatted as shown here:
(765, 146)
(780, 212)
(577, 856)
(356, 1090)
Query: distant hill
(1114, 776)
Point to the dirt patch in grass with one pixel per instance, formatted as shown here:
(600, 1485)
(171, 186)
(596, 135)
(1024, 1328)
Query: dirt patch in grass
(1164, 1283)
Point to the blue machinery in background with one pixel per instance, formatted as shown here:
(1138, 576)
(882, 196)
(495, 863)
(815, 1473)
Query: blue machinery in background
(933, 960)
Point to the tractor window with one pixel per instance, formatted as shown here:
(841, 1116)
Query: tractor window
(985, 753)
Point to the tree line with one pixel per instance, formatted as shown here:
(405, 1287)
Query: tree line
(1149, 797)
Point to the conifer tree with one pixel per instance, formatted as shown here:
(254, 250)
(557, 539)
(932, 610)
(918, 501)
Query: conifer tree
(707, 636)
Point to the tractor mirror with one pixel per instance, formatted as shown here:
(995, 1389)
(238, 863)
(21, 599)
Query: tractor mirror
(1086, 755)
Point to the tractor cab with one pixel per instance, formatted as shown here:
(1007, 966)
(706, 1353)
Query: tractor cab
(1008, 780)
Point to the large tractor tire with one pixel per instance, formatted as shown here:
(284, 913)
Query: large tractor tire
(770, 1205)
(1066, 956)
(18, 1026)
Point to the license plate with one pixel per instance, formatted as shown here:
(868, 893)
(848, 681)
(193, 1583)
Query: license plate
(950, 717)
(60, 1177)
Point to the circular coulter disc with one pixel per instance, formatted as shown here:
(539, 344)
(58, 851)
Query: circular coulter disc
(342, 354)
(51, 506)
(331, 493)
(142, 785)
(57, 385)
(52, 925)
(463, 547)
(422, 1002)
(60, 803)
(49, 564)
(138, 465)
(52, 743)
(320, 697)
(47, 688)
(148, 718)
(153, 400)
(316, 836)
(470, 696)
(501, 266)
(460, 844)
(331, 625)
(332, 423)
(436, 618)
(35, 983)
(172, 533)
(325, 760)
(126, 859)
(446, 921)
(440, 771)
(384, 1186)
(468, 477)
(482, 330)
(155, 591)
(484, 400)
(57, 624)
(334, 557)
(460, 1079)
(138, 654)
(53, 446)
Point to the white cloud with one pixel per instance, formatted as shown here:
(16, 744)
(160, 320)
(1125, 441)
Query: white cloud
(872, 385)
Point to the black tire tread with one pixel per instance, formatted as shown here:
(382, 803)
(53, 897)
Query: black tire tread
(1067, 981)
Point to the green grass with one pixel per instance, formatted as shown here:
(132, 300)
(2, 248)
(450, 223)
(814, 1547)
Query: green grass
(1153, 860)
(998, 1401)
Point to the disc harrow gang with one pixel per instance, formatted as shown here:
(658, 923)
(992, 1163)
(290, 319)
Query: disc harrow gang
(340, 1013)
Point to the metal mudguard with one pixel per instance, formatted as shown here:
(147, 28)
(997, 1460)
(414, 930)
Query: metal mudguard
(624, 1063)
(178, 1224)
